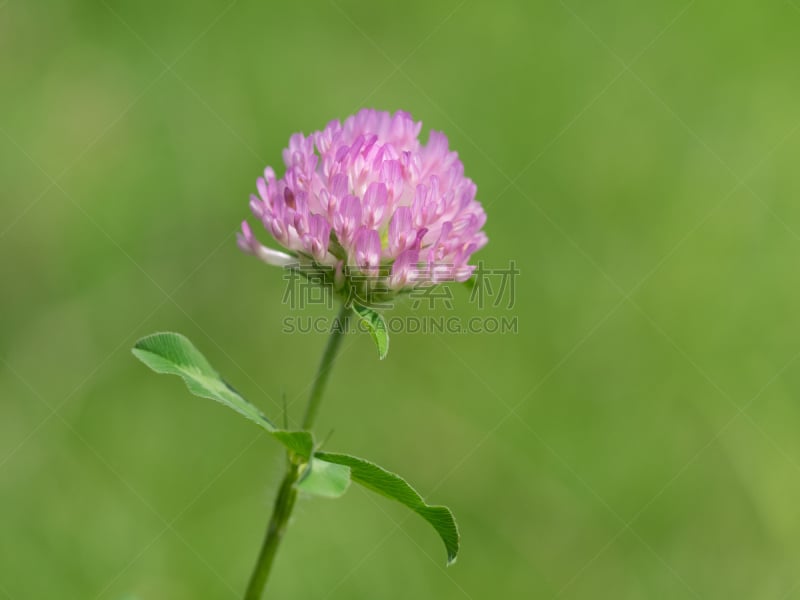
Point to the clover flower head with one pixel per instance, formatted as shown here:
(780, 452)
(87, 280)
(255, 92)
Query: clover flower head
(367, 202)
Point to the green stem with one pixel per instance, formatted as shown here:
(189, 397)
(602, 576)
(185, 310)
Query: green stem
(287, 493)
(325, 365)
(281, 511)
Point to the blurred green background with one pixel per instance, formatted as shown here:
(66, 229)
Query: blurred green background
(638, 438)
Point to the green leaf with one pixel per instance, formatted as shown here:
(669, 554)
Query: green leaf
(323, 478)
(376, 326)
(174, 354)
(395, 487)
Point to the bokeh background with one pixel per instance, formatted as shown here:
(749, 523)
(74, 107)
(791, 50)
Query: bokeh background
(639, 437)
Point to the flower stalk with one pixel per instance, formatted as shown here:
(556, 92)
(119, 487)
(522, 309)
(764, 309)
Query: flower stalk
(281, 512)
(287, 493)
